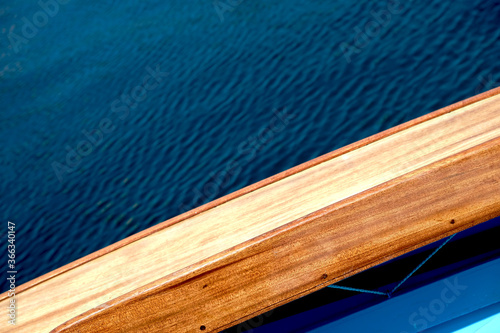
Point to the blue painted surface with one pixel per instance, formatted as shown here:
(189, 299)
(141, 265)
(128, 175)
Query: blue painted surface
(485, 320)
(462, 303)
(201, 132)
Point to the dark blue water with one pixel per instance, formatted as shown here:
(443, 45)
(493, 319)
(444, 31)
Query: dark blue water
(205, 126)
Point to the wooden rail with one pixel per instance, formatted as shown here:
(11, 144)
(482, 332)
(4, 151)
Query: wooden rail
(284, 237)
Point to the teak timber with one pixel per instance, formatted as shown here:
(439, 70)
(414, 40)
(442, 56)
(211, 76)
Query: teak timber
(286, 236)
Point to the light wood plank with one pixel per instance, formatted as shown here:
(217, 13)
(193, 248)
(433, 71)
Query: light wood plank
(173, 250)
(312, 252)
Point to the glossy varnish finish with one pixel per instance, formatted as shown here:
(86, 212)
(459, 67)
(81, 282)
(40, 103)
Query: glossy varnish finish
(287, 236)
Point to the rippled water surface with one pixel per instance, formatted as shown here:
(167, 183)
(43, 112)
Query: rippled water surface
(209, 123)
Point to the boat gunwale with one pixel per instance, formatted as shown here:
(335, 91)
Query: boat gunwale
(239, 252)
(248, 189)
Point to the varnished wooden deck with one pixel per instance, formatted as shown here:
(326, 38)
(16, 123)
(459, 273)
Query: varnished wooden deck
(286, 236)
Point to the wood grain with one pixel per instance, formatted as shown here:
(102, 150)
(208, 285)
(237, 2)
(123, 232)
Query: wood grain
(314, 251)
(197, 243)
(258, 185)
